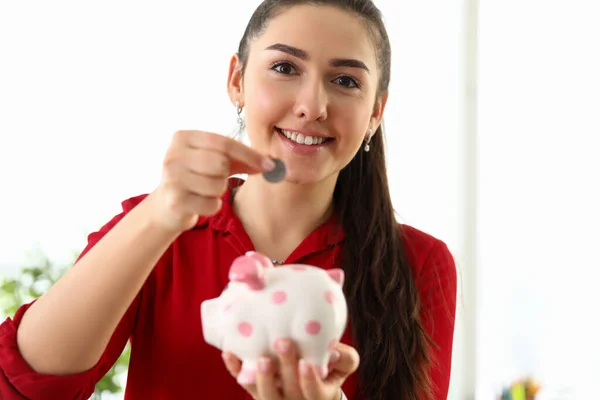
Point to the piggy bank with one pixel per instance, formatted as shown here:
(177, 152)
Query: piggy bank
(263, 303)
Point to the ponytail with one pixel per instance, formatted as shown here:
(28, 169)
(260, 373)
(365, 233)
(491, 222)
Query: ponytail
(383, 301)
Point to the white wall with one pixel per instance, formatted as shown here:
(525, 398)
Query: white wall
(539, 195)
(90, 95)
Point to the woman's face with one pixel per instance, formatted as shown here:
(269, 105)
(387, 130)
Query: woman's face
(309, 90)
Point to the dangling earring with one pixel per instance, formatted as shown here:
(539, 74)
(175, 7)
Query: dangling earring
(367, 147)
(240, 121)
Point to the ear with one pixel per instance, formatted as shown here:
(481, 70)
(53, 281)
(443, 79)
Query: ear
(337, 274)
(260, 258)
(234, 80)
(378, 109)
(247, 270)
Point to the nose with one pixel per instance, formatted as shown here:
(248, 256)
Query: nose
(311, 101)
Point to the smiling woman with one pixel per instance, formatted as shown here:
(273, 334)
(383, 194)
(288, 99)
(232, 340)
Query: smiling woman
(320, 90)
(312, 77)
(309, 142)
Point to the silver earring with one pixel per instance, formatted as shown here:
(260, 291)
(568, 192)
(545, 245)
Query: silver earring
(367, 147)
(240, 121)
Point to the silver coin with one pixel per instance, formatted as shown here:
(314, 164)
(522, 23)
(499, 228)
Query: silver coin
(277, 174)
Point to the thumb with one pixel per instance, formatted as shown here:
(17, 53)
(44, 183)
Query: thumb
(345, 365)
(236, 167)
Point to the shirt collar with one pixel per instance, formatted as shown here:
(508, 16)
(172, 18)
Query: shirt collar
(226, 221)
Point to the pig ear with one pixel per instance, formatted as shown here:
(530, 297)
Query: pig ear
(247, 270)
(260, 258)
(337, 275)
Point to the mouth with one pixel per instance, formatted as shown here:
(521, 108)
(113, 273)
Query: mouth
(304, 140)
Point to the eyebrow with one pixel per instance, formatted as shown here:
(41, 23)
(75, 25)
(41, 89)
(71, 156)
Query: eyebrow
(303, 55)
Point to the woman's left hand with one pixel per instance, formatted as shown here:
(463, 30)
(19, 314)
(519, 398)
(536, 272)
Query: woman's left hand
(295, 379)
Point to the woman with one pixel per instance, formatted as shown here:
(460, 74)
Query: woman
(312, 78)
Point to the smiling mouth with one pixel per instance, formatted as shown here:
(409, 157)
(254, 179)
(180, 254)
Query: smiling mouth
(302, 139)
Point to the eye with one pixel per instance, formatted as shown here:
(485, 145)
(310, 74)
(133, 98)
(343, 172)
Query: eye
(346, 81)
(284, 68)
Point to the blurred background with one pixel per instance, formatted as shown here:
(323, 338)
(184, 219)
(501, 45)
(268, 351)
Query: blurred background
(492, 132)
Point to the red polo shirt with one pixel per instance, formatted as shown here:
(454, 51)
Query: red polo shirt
(170, 359)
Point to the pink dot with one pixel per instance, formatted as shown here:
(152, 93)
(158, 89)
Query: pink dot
(298, 268)
(331, 345)
(279, 297)
(245, 329)
(313, 327)
(329, 297)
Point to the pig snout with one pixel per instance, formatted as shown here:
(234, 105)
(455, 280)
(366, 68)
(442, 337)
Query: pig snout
(210, 328)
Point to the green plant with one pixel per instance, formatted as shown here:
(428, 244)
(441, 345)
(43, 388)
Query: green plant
(34, 279)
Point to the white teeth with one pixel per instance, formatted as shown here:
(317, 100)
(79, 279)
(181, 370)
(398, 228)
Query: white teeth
(301, 139)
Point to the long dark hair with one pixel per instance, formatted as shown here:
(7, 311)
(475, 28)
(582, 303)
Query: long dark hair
(382, 296)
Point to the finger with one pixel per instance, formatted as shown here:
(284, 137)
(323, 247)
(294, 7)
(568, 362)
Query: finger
(346, 364)
(201, 185)
(334, 358)
(247, 158)
(348, 359)
(234, 367)
(288, 367)
(199, 161)
(266, 386)
(311, 384)
(236, 167)
(207, 162)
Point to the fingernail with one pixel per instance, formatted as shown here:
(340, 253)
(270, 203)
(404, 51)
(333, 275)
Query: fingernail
(268, 164)
(282, 346)
(335, 356)
(264, 364)
(303, 367)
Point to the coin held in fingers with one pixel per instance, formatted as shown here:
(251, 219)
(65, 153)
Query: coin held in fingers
(276, 174)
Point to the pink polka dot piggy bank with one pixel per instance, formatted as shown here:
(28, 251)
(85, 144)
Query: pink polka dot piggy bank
(263, 303)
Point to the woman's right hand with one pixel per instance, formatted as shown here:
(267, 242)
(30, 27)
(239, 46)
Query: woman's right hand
(196, 168)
